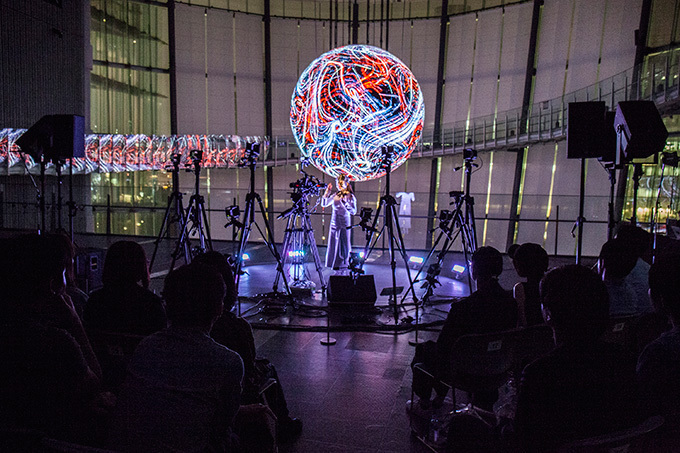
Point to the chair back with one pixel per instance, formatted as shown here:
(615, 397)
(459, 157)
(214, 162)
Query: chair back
(483, 362)
(532, 343)
(632, 440)
(620, 331)
(113, 351)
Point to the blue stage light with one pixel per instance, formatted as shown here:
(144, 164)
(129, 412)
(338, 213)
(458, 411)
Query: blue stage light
(458, 268)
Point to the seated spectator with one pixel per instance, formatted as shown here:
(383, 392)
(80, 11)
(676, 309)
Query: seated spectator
(584, 387)
(236, 334)
(67, 249)
(531, 262)
(125, 304)
(658, 367)
(489, 309)
(640, 243)
(183, 389)
(50, 378)
(616, 261)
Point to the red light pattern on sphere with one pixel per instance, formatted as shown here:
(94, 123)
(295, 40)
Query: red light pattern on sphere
(350, 103)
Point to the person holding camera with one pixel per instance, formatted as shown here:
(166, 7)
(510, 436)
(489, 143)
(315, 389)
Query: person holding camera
(344, 207)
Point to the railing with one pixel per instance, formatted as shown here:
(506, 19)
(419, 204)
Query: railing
(544, 121)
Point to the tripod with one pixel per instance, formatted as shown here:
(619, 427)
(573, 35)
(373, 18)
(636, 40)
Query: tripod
(252, 153)
(448, 223)
(196, 220)
(299, 234)
(178, 217)
(394, 241)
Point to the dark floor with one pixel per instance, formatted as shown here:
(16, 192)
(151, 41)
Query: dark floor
(351, 395)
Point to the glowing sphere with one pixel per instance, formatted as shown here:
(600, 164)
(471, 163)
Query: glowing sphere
(349, 104)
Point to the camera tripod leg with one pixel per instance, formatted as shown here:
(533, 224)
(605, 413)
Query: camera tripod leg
(183, 241)
(203, 227)
(309, 234)
(269, 240)
(402, 250)
(288, 237)
(243, 240)
(173, 200)
(425, 261)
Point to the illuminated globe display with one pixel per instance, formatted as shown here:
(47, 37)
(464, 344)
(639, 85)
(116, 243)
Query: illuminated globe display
(352, 102)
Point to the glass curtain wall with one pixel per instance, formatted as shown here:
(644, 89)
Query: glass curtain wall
(130, 94)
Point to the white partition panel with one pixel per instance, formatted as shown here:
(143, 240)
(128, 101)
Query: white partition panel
(400, 40)
(516, 35)
(618, 45)
(458, 68)
(596, 207)
(553, 47)
(425, 62)
(248, 49)
(496, 206)
(191, 93)
(565, 201)
(535, 197)
(485, 77)
(585, 44)
(220, 63)
(313, 41)
(284, 51)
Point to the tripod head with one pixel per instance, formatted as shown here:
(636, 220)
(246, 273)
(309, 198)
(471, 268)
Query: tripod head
(233, 213)
(387, 157)
(250, 156)
(303, 188)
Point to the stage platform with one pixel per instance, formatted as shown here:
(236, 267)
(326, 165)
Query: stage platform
(267, 307)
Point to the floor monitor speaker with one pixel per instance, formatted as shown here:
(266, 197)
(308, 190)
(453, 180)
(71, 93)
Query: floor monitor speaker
(345, 290)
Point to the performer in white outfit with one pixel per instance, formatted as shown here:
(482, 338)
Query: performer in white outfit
(344, 207)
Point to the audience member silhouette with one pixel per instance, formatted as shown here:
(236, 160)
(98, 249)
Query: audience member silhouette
(584, 387)
(640, 243)
(50, 378)
(67, 249)
(489, 309)
(531, 262)
(183, 388)
(616, 261)
(658, 367)
(125, 304)
(236, 333)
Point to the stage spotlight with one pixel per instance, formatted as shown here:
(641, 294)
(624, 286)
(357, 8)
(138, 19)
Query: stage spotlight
(246, 257)
(416, 260)
(356, 261)
(458, 271)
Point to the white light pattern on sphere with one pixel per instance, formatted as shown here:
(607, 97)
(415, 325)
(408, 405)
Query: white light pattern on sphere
(349, 104)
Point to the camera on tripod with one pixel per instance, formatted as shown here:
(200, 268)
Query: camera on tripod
(298, 205)
(365, 215)
(308, 185)
(469, 154)
(669, 159)
(445, 216)
(196, 155)
(457, 196)
(251, 154)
